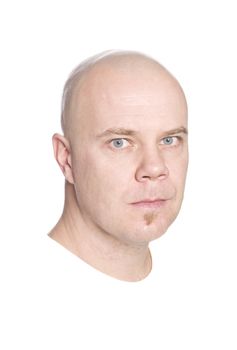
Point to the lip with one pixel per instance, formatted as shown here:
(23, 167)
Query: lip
(150, 203)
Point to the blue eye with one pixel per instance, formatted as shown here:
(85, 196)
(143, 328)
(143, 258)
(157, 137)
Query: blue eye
(118, 143)
(168, 140)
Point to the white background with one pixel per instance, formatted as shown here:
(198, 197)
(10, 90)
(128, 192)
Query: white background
(42, 41)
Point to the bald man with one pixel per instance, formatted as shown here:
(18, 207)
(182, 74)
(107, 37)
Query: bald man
(124, 155)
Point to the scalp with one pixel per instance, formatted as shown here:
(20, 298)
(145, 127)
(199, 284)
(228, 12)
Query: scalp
(85, 77)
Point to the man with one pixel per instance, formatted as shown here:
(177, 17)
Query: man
(124, 155)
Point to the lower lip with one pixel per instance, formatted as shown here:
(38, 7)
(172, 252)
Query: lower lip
(152, 205)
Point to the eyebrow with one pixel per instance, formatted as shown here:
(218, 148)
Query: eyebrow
(128, 132)
(117, 131)
(181, 130)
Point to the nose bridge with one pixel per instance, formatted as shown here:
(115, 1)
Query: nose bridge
(151, 164)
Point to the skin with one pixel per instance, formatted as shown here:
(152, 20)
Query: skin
(126, 144)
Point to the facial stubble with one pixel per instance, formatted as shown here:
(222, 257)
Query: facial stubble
(150, 217)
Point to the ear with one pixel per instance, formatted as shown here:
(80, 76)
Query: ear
(62, 153)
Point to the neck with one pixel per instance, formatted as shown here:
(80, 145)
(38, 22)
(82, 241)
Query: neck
(124, 261)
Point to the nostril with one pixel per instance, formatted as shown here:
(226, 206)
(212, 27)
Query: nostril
(163, 176)
(160, 177)
(152, 173)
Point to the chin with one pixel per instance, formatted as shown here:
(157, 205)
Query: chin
(147, 233)
(149, 224)
(153, 227)
(151, 234)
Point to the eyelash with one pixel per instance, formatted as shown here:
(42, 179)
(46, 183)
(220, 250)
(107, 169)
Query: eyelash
(117, 139)
(177, 138)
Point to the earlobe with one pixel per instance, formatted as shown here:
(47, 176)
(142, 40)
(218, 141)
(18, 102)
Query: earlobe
(62, 154)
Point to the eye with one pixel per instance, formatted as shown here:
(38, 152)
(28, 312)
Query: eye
(119, 143)
(170, 140)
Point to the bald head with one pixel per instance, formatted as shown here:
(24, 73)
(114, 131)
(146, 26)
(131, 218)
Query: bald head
(124, 157)
(122, 67)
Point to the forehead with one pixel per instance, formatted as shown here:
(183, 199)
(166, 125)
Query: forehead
(138, 95)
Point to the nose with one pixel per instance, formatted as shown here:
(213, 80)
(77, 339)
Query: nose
(151, 167)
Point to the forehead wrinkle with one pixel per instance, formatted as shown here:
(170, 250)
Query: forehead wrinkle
(130, 90)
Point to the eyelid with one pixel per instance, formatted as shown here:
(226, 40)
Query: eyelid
(177, 137)
(116, 138)
(172, 136)
(109, 142)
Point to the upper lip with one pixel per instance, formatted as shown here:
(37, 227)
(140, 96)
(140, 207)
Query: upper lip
(149, 200)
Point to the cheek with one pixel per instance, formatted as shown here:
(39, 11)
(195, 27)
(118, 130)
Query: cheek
(177, 163)
(178, 171)
(100, 179)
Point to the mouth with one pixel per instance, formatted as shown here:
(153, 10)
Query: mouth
(149, 203)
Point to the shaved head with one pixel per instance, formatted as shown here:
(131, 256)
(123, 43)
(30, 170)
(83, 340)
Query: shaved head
(88, 75)
(124, 156)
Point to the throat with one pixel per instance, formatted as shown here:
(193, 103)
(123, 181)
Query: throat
(114, 258)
